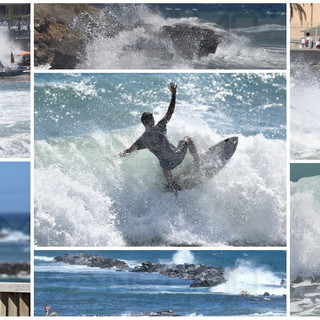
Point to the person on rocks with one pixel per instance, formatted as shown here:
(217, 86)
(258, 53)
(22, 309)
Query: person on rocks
(155, 139)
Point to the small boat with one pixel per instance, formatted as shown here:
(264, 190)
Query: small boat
(10, 72)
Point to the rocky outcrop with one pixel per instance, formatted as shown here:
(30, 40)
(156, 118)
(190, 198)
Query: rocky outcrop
(54, 44)
(191, 42)
(61, 42)
(91, 260)
(201, 275)
(13, 269)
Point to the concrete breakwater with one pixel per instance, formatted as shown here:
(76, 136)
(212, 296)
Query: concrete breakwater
(201, 275)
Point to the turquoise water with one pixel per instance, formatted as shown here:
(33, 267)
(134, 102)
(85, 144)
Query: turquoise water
(84, 192)
(107, 292)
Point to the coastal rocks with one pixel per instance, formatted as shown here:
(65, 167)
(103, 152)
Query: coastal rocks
(57, 46)
(13, 269)
(245, 293)
(202, 276)
(191, 42)
(90, 260)
(62, 35)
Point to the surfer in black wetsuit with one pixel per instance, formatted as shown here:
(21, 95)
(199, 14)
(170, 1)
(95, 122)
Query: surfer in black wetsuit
(155, 139)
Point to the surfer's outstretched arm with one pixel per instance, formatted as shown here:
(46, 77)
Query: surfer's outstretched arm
(168, 115)
(128, 151)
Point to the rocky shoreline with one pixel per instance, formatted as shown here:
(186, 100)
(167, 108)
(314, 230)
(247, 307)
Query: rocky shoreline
(14, 269)
(201, 275)
(61, 37)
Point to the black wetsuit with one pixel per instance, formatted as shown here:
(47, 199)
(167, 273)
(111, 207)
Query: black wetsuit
(157, 142)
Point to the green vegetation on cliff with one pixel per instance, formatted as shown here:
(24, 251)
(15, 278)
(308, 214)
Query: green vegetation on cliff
(62, 12)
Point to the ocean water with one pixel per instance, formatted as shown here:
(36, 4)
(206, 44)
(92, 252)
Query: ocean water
(14, 106)
(253, 36)
(304, 110)
(86, 196)
(14, 242)
(305, 244)
(107, 292)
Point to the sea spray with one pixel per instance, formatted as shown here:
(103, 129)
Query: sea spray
(7, 46)
(92, 200)
(183, 256)
(126, 36)
(247, 276)
(83, 122)
(305, 226)
(304, 109)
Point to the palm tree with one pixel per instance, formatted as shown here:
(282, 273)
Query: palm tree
(295, 7)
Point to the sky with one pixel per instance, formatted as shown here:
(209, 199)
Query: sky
(14, 187)
(302, 170)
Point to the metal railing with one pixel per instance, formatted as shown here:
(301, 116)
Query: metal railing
(14, 299)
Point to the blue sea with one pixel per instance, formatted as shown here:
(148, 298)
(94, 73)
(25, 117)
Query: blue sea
(86, 196)
(78, 290)
(253, 36)
(14, 242)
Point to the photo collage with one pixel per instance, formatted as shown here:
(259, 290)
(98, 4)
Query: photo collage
(159, 159)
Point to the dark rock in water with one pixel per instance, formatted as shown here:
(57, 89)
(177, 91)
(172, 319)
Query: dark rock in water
(152, 48)
(191, 42)
(266, 294)
(297, 279)
(13, 269)
(203, 276)
(245, 293)
(91, 260)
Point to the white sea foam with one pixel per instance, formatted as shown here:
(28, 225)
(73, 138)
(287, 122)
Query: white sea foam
(8, 46)
(304, 111)
(89, 199)
(183, 256)
(247, 276)
(8, 235)
(305, 227)
(44, 258)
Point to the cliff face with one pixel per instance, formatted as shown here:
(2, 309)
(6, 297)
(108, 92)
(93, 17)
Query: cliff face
(55, 43)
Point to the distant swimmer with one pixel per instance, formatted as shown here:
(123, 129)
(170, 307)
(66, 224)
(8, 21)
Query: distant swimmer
(47, 309)
(155, 139)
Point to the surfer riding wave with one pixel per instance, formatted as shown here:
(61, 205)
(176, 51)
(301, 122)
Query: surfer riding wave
(155, 140)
